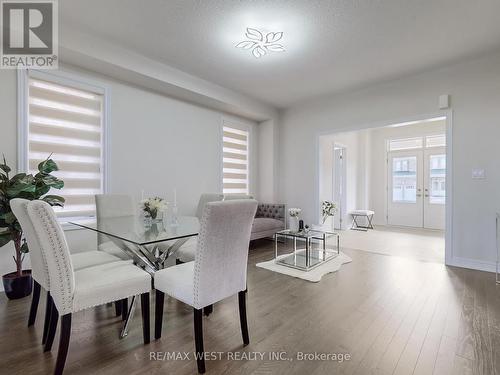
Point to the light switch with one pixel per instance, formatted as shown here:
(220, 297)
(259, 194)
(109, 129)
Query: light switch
(478, 174)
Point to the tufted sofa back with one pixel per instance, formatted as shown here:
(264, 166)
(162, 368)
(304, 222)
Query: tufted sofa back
(271, 211)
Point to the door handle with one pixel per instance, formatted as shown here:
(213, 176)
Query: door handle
(419, 195)
(426, 195)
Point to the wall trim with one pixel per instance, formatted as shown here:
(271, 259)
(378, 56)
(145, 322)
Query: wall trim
(473, 264)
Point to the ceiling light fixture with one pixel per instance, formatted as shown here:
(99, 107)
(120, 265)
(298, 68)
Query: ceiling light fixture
(261, 43)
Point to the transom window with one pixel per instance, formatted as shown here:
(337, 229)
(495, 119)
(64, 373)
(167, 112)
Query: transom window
(428, 141)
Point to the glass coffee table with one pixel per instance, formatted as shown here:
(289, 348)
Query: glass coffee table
(308, 257)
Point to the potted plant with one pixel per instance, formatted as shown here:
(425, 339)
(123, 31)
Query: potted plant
(18, 284)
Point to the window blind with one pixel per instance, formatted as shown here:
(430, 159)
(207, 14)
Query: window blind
(235, 161)
(66, 123)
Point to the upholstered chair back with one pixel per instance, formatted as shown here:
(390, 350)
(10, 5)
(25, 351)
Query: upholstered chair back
(206, 198)
(39, 270)
(220, 266)
(55, 249)
(113, 205)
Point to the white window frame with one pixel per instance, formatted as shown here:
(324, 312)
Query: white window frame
(63, 78)
(235, 124)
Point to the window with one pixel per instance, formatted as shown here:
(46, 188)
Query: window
(405, 144)
(404, 179)
(65, 121)
(437, 179)
(415, 143)
(235, 161)
(435, 140)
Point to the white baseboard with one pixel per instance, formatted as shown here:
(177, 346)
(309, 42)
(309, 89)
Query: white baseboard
(473, 264)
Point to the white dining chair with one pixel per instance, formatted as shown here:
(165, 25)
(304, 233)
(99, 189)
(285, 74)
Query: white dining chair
(39, 265)
(111, 206)
(93, 286)
(186, 252)
(219, 270)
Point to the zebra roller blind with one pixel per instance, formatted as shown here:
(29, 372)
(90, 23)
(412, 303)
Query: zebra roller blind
(235, 161)
(66, 122)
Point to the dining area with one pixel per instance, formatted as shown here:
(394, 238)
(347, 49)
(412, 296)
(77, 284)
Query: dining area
(138, 264)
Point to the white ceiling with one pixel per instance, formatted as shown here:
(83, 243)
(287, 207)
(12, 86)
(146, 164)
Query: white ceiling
(332, 46)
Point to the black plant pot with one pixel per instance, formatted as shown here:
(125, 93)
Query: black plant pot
(17, 286)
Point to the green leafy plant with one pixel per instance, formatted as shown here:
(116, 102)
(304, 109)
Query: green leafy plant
(29, 187)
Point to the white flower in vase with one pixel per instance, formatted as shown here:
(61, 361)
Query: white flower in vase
(328, 209)
(293, 222)
(294, 212)
(154, 206)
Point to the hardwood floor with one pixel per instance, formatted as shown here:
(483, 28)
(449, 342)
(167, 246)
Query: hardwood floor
(413, 243)
(392, 315)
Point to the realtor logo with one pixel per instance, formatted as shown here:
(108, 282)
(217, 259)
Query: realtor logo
(29, 34)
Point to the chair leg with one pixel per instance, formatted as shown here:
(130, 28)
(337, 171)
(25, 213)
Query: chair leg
(54, 317)
(124, 304)
(208, 310)
(145, 317)
(34, 303)
(198, 339)
(46, 323)
(160, 300)
(63, 343)
(118, 308)
(243, 317)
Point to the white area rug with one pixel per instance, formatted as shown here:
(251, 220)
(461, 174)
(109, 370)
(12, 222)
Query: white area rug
(314, 275)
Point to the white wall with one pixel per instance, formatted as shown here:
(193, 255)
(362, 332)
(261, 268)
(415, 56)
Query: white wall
(156, 143)
(475, 90)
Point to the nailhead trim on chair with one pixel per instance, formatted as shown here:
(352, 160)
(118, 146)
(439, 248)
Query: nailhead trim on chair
(63, 290)
(200, 254)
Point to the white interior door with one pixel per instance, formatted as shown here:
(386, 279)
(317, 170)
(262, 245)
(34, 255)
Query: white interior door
(404, 195)
(339, 185)
(434, 188)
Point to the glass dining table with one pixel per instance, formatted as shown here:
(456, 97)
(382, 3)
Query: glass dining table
(149, 245)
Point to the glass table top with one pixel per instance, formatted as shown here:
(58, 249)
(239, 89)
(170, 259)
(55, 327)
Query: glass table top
(312, 233)
(133, 229)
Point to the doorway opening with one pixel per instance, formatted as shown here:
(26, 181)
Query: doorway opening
(416, 184)
(399, 172)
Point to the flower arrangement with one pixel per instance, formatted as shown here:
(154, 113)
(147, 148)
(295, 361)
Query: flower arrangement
(294, 212)
(153, 206)
(328, 208)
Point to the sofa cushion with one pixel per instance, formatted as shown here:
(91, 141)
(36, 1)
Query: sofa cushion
(261, 224)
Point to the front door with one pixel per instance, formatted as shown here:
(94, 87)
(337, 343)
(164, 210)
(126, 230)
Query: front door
(434, 188)
(405, 179)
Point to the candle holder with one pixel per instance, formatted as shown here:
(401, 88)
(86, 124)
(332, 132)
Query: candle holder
(175, 218)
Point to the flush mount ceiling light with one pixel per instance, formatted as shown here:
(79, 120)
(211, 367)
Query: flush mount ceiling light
(261, 43)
